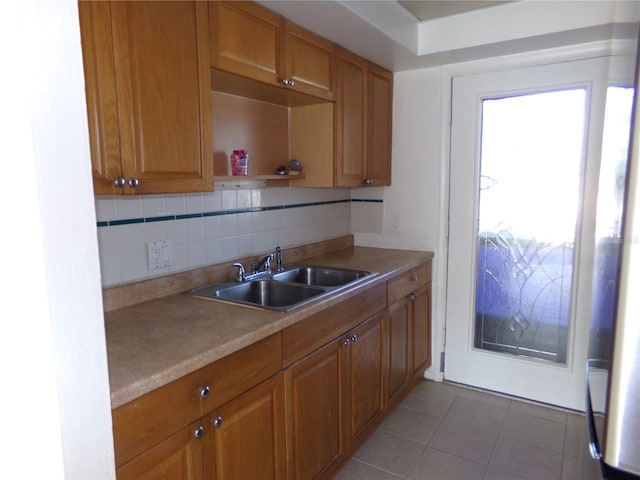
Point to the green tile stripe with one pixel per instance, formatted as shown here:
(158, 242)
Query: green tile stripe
(164, 218)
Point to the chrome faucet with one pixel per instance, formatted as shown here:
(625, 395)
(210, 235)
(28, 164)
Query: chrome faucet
(263, 265)
(279, 267)
(240, 274)
(260, 269)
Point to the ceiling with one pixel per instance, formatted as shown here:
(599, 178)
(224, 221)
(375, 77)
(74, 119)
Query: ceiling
(430, 9)
(444, 32)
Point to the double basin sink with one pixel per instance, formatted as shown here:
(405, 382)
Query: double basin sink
(286, 290)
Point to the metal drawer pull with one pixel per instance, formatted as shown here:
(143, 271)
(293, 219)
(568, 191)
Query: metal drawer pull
(346, 342)
(205, 391)
(414, 278)
(217, 422)
(412, 296)
(354, 338)
(198, 432)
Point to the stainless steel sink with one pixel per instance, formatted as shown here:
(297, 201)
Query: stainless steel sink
(285, 290)
(320, 276)
(262, 293)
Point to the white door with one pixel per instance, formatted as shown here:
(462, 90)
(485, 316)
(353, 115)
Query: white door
(524, 165)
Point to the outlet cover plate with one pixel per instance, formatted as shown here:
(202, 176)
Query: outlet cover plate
(159, 254)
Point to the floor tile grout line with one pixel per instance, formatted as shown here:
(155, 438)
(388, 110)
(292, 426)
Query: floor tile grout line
(564, 447)
(460, 456)
(375, 467)
(512, 399)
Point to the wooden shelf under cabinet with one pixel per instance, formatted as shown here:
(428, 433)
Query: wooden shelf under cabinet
(271, 180)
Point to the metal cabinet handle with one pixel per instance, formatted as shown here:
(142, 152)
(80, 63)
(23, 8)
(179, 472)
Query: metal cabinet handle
(119, 181)
(354, 338)
(369, 181)
(134, 182)
(287, 82)
(205, 391)
(412, 296)
(217, 422)
(198, 432)
(346, 342)
(414, 278)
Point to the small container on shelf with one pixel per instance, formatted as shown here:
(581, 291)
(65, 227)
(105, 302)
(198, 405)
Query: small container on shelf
(239, 163)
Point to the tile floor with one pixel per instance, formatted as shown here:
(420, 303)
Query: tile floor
(444, 431)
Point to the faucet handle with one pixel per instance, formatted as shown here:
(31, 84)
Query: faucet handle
(278, 259)
(240, 274)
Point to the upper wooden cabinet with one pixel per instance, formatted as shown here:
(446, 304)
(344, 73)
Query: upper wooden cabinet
(148, 95)
(246, 39)
(255, 43)
(351, 120)
(363, 123)
(380, 114)
(309, 62)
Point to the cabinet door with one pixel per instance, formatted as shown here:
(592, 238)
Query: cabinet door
(421, 330)
(351, 120)
(179, 456)
(364, 376)
(314, 408)
(246, 437)
(246, 39)
(379, 134)
(100, 89)
(398, 341)
(161, 53)
(309, 62)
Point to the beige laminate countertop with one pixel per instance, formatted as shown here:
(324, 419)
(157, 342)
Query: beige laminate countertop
(153, 343)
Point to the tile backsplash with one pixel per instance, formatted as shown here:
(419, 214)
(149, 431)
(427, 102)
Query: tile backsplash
(212, 227)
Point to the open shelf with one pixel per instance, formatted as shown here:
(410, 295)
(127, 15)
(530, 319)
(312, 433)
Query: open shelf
(255, 181)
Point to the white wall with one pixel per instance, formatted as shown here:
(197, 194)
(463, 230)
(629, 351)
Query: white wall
(55, 407)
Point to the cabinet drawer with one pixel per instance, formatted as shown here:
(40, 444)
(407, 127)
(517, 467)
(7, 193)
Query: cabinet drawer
(308, 335)
(408, 282)
(151, 418)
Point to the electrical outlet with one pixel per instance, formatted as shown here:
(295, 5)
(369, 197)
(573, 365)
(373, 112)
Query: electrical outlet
(395, 223)
(159, 254)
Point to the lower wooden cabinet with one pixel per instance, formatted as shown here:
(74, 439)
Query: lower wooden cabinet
(408, 331)
(421, 329)
(333, 397)
(179, 456)
(398, 330)
(300, 423)
(246, 437)
(314, 405)
(364, 375)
